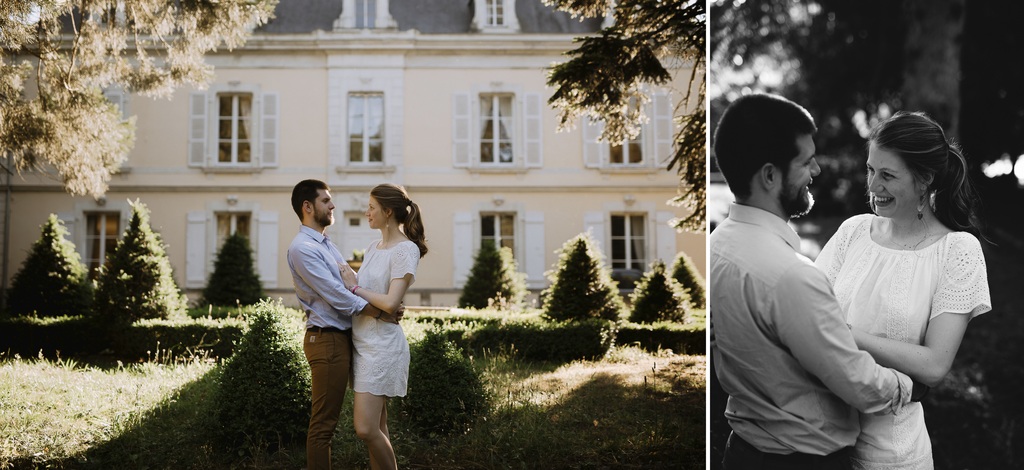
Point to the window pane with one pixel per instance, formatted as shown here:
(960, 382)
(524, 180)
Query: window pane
(487, 128)
(242, 224)
(375, 120)
(486, 152)
(635, 154)
(376, 152)
(225, 102)
(224, 152)
(636, 225)
(244, 155)
(487, 226)
(506, 152)
(618, 253)
(507, 225)
(615, 154)
(355, 151)
(618, 226)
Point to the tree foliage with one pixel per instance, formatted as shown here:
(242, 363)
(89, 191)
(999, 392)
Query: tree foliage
(494, 279)
(581, 285)
(605, 72)
(446, 393)
(264, 390)
(234, 279)
(688, 276)
(658, 297)
(136, 282)
(52, 281)
(57, 58)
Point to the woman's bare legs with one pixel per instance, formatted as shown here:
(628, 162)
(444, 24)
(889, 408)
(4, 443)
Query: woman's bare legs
(370, 421)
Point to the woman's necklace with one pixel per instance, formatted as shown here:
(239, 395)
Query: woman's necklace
(913, 247)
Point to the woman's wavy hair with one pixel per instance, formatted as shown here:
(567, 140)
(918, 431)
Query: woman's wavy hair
(924, 148)
(395, 199)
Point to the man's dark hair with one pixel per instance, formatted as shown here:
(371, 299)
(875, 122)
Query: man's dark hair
(306, 190)
(758, 129)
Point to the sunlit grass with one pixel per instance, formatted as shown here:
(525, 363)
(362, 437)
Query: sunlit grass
(56, 409)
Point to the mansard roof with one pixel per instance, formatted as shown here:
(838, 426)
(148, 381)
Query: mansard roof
(425, 16)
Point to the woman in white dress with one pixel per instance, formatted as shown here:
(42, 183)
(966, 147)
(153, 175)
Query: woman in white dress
(380, 360)
(910, 277)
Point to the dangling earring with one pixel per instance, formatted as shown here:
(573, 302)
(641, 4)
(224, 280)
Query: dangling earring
(920, 207)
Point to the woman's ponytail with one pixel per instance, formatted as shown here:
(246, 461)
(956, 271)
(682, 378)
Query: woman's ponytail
(955, 198)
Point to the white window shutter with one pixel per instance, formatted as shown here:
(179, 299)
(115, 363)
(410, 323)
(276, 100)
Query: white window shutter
(664, 134)
(269, 142)
(462, 128)
(595, 152)
(462, 239)
(197, 139)
(666, 241)
(195, 250)
(534, 131)
(534, 258)
(593, 222)
(267, 248)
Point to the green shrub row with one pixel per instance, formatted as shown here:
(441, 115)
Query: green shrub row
(71, 336)
(664, 335)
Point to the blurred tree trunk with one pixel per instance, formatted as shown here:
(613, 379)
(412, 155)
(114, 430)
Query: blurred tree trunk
(931, 76)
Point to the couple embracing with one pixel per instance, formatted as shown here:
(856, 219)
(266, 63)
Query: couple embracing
(824, 361)
(352, 320)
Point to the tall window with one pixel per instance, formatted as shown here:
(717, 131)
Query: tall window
(496, 129)
(230, 223)
(629, 245)
(629, 152)
(103, 229)
(234, 137)
(499, 228)
(366, 14)
(495, 13)
(366, 127)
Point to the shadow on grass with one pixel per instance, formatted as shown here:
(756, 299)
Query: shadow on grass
(605, 422)
(178, 433)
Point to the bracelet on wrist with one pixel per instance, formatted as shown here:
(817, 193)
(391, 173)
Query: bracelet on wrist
(354, 289)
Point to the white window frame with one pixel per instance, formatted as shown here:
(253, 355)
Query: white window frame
(204, 137)
(202, 241)
(629, 238)
(237, 121)
(486, 18)
(496, 141)
(349, 74)
(348, 20)
(656, 137)
(232, 226)
(526, 129)
(103, 236)
(497, 237)
(365, 95)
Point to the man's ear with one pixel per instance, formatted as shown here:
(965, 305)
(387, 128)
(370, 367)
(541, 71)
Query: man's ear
(307, 206)
(769, 176)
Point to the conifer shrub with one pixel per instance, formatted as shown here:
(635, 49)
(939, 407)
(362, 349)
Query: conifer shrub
(581, 285)
(52, 281)
(136, 281)
(263, 395)
(687, 274)
(234, 280)
(658, 297)
(446, 393)
(494, 279)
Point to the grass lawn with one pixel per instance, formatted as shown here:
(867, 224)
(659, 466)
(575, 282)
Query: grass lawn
(632, 409)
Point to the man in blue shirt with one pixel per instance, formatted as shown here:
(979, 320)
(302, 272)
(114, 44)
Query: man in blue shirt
(314, 263)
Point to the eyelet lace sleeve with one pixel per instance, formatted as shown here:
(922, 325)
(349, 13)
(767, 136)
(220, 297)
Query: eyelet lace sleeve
(963, 284)
(405, 260)
(833, 255)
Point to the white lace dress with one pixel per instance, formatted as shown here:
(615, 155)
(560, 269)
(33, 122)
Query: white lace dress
(380, 362)
(893, 294)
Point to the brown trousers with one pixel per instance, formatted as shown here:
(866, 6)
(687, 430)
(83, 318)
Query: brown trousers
(329, 354)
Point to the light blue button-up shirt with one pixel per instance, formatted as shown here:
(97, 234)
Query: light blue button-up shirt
(313, 260)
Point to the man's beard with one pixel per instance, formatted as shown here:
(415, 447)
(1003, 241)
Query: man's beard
(793, 202)
(324, 219)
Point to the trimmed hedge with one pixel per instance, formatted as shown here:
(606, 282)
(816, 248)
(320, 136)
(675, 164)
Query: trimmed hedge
(72, 336)
(559, 342)
(664, 335)
(446, 393)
